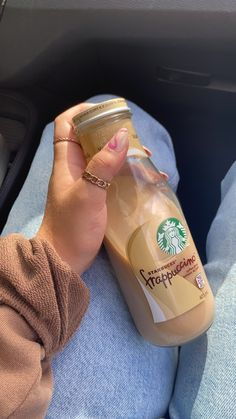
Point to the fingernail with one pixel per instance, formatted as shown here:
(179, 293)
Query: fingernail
(147, 151)
(119, 141)
(164, 175)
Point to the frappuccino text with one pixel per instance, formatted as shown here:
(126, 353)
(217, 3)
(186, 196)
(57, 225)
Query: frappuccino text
(165, 278)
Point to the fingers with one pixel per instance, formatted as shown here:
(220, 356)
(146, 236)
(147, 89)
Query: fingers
(109, 160)
(164, 175)
(69, 160)
(63, 123)
(68, 156)
(149, 154)
(147, 151)
(106, 164)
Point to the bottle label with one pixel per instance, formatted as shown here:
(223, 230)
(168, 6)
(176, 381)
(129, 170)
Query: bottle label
(171, 236)
(167, 266)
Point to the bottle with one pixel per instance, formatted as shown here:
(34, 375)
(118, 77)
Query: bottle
(147, 237)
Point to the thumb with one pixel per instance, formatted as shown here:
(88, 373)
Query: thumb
(106, 164)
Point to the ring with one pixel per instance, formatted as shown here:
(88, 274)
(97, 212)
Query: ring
(62, 139)
(95, 180)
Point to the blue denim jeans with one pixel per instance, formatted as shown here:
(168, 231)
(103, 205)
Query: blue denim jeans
(108, 370)
(206, 377)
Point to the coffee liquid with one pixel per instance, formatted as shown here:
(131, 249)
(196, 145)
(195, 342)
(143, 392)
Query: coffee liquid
(167, 291)
(147, 238)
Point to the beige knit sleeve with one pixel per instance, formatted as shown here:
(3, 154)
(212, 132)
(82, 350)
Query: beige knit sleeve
(42, 302)
(25, 374)
(44, 290)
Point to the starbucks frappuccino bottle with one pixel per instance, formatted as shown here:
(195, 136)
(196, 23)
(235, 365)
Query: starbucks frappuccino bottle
(147, 237)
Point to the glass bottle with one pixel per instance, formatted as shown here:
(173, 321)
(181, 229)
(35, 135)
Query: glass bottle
(147, 237)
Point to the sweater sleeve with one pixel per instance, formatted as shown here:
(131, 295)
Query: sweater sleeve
(25, 374)
(42, 304)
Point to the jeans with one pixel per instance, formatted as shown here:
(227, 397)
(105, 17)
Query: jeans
(108, 370)
(205, 384)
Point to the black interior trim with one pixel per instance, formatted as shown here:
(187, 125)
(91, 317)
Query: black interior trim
(35, 35)
(18, 108)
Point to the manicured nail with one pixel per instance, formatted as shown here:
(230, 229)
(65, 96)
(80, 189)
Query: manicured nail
(147, 151)
(119, 141)
(164, 175)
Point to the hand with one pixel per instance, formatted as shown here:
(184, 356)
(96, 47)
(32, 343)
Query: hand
(76, 214)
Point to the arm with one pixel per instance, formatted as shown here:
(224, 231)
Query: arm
(42, 297)
(42, 304)
(25, 374)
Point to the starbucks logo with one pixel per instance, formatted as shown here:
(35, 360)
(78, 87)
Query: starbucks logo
(171, 236)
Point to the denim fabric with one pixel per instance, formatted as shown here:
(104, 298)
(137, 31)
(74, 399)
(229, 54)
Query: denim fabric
(206, 379)
(107, 370)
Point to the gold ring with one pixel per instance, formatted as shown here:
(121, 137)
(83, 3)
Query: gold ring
(95, 180)
(62, 139)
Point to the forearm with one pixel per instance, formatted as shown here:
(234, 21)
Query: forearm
(42, 304)
(25, 375)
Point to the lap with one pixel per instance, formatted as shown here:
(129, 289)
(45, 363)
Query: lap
(107, 370)
(206, 379)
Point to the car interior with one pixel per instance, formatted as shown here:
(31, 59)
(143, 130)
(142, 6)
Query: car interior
(175, 59)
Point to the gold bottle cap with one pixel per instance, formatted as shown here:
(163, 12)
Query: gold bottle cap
(93, 141)
(99, 111)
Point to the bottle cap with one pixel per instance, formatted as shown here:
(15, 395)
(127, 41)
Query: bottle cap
(100, 117)
(99, 111)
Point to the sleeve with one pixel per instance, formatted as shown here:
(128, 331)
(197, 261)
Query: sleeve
(25, 374)
(42, 302)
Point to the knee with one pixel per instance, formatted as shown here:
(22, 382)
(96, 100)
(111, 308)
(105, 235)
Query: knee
(101, 98)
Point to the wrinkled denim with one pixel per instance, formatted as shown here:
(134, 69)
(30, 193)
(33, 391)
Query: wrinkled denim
(206, 378)
(107, 370)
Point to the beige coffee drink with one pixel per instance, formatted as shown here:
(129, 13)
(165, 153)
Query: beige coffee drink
(147, 238)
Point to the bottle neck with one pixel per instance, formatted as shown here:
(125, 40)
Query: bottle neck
(93, 137)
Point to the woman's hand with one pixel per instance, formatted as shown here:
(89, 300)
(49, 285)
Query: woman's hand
(76, 214)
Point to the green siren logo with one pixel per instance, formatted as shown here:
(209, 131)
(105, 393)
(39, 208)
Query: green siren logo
(171, 236)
